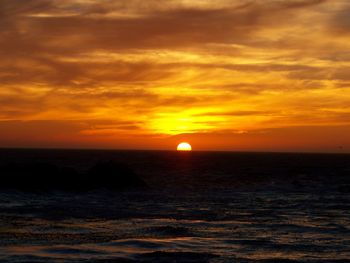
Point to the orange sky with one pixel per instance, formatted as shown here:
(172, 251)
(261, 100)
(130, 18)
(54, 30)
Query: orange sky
(221, 74)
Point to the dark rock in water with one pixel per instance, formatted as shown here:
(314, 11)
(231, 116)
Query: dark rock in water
(43, 177)
(112, 175)
(37, 177)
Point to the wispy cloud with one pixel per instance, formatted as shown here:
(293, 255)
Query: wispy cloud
(156, 68)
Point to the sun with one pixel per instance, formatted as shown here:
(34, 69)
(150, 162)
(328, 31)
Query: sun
(184, 146)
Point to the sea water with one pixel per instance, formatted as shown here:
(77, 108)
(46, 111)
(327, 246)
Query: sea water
(197, 207)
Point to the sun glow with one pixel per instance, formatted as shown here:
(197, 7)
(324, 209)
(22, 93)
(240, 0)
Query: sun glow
(146, 81)
(184, 146)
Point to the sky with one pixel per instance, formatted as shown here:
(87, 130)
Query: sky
(263, 75)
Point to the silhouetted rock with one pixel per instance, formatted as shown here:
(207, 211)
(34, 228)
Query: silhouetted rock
(114, 176)
(39, 177)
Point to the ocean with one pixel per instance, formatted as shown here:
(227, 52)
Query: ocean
(167, 206)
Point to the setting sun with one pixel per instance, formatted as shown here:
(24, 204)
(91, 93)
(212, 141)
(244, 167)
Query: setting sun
(184, 146)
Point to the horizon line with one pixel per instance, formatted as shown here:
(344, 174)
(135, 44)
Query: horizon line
(164, 150)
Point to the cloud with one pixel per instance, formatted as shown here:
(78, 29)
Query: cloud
(298, 139)
(237, 113)
(340, 21)
(331, 73)
(63, 134)
(178, 26)
(150, 67)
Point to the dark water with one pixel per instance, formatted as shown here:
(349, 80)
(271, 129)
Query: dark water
(197, 207)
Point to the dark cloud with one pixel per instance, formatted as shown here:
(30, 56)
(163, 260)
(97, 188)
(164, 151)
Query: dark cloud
(81, 74)
(300, 3)
(177, 27)
(31, 46)
(325, 73)
(92, 74)
(340, 21)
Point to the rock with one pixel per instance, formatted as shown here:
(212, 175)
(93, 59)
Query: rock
(113, 176)
(39, 177)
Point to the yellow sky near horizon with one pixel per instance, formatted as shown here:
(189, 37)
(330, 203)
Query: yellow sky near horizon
(228, 74)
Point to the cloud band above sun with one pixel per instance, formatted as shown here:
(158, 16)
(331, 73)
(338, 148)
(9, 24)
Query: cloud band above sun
(103, 71)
